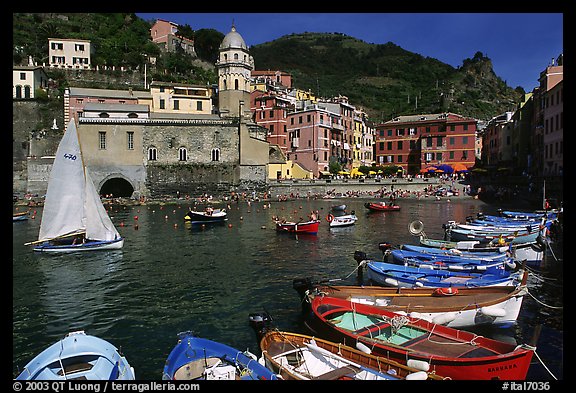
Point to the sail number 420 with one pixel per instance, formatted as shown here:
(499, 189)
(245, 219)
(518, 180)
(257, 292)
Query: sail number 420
(70, 156)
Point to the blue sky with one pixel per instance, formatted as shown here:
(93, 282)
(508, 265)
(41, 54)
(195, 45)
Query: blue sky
(520, 45)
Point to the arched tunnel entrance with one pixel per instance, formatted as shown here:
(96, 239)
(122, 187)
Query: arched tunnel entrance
(118, 187)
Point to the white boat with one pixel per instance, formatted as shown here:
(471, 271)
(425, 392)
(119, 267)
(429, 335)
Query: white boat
(74, 218)
(341, 221)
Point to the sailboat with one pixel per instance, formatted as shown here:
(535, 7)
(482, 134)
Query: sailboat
(74, 218)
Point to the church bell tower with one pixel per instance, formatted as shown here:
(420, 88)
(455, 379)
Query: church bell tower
(234, 68)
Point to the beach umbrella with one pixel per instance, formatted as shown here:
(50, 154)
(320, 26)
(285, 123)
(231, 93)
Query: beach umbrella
(445, 168)
(459, 167)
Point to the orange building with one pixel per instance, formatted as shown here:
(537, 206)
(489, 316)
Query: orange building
(417, 141)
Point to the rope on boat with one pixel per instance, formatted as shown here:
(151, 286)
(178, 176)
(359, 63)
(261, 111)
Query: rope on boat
(361, 264)
(544, 304)
(543, 365)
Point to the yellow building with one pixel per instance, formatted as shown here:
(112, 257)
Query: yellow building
(180, 98)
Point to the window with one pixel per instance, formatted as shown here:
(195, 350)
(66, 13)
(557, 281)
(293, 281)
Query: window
(130, 140)
(22, 76)
(162, 103)
(389, 146)
(57, 46)
(215, 154)
(465, 127)
(18, 91)
(439, 141)
(79, 47)
(452, 140)
(271, 128)
(199, 105)
(182, 154)
(235, 84)
(400, 145)
(465, 140)
(176, 105)
(102, 140)
(161, 89)
(152, 154)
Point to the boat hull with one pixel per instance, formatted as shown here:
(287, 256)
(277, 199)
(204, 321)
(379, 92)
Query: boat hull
(78, 356)
(453, 353)
(323, 359)
(301, 227)
(203, 218)
(497, 306)
(381, 207)
(343, 221)
(391, 275)
(88, 246)
(195, 358)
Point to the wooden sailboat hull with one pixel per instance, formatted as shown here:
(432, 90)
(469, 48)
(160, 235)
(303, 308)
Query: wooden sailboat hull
(88, 246)
(300, 357)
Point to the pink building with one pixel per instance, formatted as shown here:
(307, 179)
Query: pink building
(554, 130)
(270, 111)
(309, 133)
(165, 32)
(274, 78)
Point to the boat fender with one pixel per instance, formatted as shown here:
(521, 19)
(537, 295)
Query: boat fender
(329, 217)
(448, 291)
(444, 318)
(392, 282)
(417, 376)
(418, 364)
(417, 315)
(455, 251)
(481, 267)
(493, 311)
(363, 348)
(418, 284)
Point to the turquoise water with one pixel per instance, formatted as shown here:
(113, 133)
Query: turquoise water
(171, 277)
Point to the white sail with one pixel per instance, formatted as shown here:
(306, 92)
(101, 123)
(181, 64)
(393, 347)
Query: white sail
(98, 223)
(64, 203)
(72, 203)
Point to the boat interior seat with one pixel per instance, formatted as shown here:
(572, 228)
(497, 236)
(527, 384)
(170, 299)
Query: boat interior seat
(338, 373)
(195, 369)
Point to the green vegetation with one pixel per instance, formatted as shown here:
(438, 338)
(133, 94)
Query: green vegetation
(383, 79)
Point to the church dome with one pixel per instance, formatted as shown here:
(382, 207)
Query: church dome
(233, 40)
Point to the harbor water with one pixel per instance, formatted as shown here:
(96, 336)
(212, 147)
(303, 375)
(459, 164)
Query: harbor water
(172, 277)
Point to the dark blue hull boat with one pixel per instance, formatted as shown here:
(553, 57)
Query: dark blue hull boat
(195, 358)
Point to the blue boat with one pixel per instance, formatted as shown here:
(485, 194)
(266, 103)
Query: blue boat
(78, 356)
(449, 262)
(394, 275)
(195, 358)
(494, 254)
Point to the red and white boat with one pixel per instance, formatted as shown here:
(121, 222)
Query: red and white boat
(382, 206)
(298, 227)
(449, 352)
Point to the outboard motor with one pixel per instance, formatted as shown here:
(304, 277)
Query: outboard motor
(384, 247)
(302, 285)
(359, 256)
(480, 215)
(261, 323)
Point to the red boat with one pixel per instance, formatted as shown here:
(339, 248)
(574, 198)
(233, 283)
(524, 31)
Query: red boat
(298, 227)
(449, 352)
(382, 206)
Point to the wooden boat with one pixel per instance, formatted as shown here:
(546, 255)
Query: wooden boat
(382, 206)
(297, 356)
(344, 220)
(195, 358)
(298, 227)
(22, 216)
(74, 218)
(449, 352)
(78, 356)
(457, 308)
(393, 275)
(209, 215)
(494, 254)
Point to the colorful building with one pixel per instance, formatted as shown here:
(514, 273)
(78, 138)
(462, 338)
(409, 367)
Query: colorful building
(417, 141)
